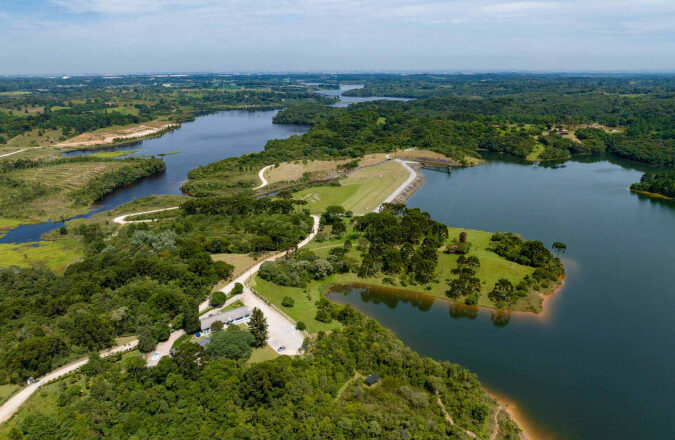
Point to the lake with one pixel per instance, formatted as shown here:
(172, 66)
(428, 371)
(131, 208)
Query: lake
(206, 139)
(600, 363)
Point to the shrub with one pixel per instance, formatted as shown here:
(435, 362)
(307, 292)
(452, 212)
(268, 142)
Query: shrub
(218, 298)
(237, 289)
(287, 301)
(300, 326)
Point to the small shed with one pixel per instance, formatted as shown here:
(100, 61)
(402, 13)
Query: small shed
(372, 379)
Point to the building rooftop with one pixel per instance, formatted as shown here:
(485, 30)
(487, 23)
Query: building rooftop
(224, 317)
(371, 379)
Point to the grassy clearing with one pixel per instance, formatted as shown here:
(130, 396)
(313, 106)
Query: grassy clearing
(56, 255)
(109, 154)
(6, 392)
(361, 192)
(44, 193)
(263, 354)
(108, 135)
(492, 268)
(534, 154)
(292, 171)
(234, 305)
(305, 303)
(124, 339)
(45, 400)
(10, 223)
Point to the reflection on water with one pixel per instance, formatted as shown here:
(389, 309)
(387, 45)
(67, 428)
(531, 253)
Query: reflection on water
(393, 298)
(600, 362)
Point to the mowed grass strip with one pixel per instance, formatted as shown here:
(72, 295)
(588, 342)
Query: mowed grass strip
(361, 192)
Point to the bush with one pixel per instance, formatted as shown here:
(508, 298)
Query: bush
(218, 298)
(231, 344)
(237, 289)
(323, 315)
(300, 326)
(287, 301)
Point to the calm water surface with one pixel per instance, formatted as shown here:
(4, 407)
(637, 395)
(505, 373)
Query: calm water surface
(207, 139)
(601, 363)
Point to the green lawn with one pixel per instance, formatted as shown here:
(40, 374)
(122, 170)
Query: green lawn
(6, 392)
(109, 154)
(492, 268)
(361, 192)
(534, 154)
(320, 197)
(304, 309)
(263, 354)
(56, 254)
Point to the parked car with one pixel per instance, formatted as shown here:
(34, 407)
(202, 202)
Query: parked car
(282, 348)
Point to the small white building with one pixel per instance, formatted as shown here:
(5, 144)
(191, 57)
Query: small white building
(234, 316)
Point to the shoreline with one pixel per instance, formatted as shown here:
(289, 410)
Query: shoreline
(530, 430)
(543, 316)
(652, 195)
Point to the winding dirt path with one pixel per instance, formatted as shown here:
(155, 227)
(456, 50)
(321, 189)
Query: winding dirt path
(121, 219)
(262, 177)
(13, 152)
(12, 405)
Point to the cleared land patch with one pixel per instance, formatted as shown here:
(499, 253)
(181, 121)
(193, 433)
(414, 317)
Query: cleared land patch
(54, 254)
(361, 192)
(110, 134)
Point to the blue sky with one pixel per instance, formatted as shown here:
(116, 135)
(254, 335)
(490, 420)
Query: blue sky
(122, 36)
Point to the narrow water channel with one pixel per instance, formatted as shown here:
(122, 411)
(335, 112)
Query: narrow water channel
(600, 363)
(207, 139)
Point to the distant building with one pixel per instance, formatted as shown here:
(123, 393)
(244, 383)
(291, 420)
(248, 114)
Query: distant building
(564, 131)
(372, 379)
(234, 316)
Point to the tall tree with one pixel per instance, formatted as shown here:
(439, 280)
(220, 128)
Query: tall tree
(559, 248)
(258, 327)
(191, 322)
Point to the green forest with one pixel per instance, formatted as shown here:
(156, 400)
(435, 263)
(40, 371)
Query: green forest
(146, 276)
(321, 395)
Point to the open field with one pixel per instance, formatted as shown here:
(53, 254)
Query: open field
(492, 268)
(292, 171)
(361, 192)
(109, 134)
(263, 354)
(304, 308)
(110, 154)
(55, 254)
(6, 391)
(43, 193)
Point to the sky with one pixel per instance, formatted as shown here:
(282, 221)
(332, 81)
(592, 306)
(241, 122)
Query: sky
(138, 36)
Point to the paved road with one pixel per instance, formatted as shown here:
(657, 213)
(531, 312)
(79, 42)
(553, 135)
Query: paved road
(121, 219)
(8, 409)
(402, 187)
(262, 177)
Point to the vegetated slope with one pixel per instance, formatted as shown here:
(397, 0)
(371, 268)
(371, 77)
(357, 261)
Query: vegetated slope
(192, 396)
(662, 183)
(134, 279)
(51, 189)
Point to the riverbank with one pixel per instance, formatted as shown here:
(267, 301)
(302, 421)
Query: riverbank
(650, 194)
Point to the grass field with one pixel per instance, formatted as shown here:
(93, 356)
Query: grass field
(304, 308)
(109, 154)
(56, 255)
(263, 354)
(361, 192)
(44, 191)
(492, 268)
(534, 154)
(45, 400)
(6, 392)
